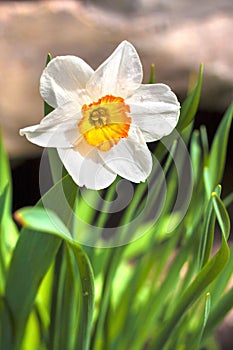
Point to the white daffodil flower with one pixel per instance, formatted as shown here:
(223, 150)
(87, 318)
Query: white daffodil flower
(102, 119)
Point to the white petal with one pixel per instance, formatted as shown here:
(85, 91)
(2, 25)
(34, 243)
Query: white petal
(57, 129)
(119, 75)
(64, 79)
(130, 158)
(68, 111)
(88, 171)
(155, 109)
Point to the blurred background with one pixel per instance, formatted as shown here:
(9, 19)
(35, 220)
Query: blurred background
(175, 35)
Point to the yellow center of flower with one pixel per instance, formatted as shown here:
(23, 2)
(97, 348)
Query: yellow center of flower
(105, 122)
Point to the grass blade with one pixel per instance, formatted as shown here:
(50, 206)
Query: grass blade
(207, 275)
(217, 157)
(190, 105)
(75, 286)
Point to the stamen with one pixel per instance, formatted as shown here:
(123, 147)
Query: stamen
(105, 122)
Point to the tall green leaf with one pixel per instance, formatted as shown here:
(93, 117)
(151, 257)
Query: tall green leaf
(190, 105)
(217, 158)
(207, 275)
(8, 230)
(47, 107)
(76, 288)
(31, 259)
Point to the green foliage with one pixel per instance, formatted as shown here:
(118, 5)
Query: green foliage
(190, 105)
(47, 108)
(216, 162)
(166, 289)
(8, 230)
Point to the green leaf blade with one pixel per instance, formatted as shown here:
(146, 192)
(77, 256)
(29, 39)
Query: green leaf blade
(190, 105)
(217, 157)
(29, 264)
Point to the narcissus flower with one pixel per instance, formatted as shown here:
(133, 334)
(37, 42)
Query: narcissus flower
(102, 119)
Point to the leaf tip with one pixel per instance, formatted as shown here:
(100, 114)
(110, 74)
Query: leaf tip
(19, 218)
(152, 74)
(49, 58)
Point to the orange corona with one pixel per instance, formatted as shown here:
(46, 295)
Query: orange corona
(105, 122)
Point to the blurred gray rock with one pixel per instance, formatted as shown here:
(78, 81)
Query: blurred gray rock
(174, 35)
